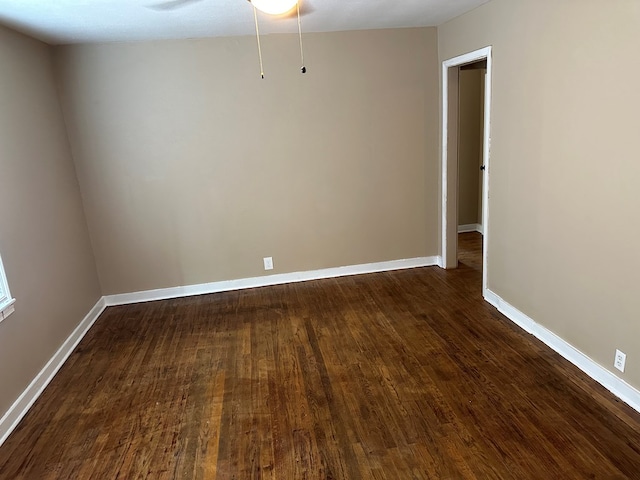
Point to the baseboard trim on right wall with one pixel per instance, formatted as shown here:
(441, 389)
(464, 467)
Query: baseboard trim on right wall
(607, 379)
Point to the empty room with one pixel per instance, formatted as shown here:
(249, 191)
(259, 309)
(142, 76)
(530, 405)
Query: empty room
(280, 239)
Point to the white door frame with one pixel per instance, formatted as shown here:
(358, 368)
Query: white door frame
(447, 228)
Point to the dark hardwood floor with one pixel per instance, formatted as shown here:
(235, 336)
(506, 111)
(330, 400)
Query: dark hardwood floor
(400, 375)
(470, 251)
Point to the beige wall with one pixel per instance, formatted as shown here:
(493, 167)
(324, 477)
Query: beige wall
(43, 235)
(192, 169)
(564, 165)
(470, 145)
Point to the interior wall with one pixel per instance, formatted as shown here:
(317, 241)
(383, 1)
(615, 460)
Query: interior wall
(564, 166)
(192, 168)
(470, 122)
(43, 239)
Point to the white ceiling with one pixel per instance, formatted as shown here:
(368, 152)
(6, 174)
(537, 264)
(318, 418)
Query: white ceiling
(83, 21)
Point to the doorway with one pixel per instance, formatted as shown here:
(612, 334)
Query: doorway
(453, 179)
(471, 79)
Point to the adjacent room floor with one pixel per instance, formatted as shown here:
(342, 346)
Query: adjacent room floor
(398, 375)
(470, 252)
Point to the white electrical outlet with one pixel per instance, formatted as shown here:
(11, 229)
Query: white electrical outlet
(620, 360)
(268, 263)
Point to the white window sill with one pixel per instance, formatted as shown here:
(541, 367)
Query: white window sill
(6, 309)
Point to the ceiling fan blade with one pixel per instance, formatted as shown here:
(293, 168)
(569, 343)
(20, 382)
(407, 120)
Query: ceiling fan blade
(172, 4)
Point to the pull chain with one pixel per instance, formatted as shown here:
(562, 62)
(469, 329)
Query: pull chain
(255, 17)
(303, 69)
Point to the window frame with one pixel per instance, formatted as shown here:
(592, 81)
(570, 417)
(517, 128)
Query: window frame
(6, 300)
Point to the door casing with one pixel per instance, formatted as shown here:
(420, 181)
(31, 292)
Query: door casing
(449, 166)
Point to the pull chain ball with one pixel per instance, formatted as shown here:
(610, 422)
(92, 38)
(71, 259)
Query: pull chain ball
(303, 69)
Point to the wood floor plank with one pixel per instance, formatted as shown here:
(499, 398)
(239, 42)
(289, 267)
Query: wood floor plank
(398, 375)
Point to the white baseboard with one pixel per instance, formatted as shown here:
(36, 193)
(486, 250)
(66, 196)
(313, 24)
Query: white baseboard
(267, 280)
(21, 406)
(471, 227)
(609, 380)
